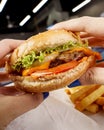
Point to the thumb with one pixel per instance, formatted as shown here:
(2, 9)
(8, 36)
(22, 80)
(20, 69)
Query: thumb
(94, 75)
(15, 105)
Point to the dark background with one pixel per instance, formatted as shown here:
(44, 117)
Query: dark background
(52, 12)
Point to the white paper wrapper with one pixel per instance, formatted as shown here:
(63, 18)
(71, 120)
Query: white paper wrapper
(57, 113)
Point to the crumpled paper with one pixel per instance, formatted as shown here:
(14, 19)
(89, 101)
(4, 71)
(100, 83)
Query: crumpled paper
(57, 113)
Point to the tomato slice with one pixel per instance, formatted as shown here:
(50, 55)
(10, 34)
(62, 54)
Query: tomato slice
(63, 67)
(37, 68)
(55, 70)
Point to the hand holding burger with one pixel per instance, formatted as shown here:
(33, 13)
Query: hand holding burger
(14, 103)
(95, 36)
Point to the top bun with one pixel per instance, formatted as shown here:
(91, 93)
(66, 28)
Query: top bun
(41, 41)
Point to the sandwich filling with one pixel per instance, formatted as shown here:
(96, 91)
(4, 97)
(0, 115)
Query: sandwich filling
(53, 60)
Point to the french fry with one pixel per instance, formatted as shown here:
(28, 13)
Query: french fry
(70, 91)
(67, 91)
(100, 101)
(92, 97)
(76, 95)
(75, 89)
(86, 90)
(93, 108)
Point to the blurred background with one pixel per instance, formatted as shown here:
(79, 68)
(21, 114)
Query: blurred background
(19, 19)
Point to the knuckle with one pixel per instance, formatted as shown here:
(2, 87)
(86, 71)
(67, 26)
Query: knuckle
(85, 17)
(86, 20)
(90, 76)
(4, 40)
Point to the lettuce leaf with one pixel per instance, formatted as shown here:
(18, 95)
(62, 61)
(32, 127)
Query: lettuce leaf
(28, 60)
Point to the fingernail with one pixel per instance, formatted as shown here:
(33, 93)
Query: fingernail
(45, 95)
(10, 91)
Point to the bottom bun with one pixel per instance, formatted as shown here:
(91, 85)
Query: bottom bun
(50, 83)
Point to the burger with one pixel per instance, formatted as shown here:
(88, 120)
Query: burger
(50, 60)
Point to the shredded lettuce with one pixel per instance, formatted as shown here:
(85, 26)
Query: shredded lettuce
(28, 60)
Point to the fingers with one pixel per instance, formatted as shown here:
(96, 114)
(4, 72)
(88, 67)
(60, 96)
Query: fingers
(94, 75)
(3, 60)
(71, 25)
(4, 76)
(84, 35)
(7, 45)
(93, 26)
(14, 103)
(10, 91)
(94, 42)
(100, 64)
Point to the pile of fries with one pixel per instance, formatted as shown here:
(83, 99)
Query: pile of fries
(90, 98)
